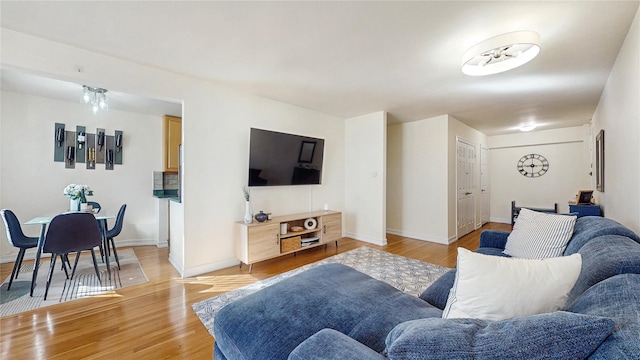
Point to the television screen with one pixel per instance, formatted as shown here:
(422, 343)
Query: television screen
(277, 158)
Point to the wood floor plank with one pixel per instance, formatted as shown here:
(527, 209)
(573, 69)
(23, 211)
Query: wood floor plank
(154, 320)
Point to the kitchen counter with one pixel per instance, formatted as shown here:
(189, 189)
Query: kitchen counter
(167, 194)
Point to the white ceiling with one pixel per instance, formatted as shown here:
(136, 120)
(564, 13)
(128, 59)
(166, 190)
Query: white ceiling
(25, 83)
(354, 58)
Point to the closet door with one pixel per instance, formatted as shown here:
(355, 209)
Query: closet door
(466, 155)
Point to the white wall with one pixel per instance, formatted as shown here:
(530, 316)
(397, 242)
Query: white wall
(216, 122)
(32, 182)
(417, 173)
(618, 113)
(567, 151)
(365, 178)
(421, 195)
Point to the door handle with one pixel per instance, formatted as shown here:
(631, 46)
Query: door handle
(468, 193)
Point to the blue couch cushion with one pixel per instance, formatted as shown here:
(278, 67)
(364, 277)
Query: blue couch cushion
(330, 344)
(270, 323)
(617, 297)
(604, 257)
(589, 227)
(491, 251)
(494, 238)
(557, 335)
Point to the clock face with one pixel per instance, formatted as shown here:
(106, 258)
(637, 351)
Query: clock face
(533, 165)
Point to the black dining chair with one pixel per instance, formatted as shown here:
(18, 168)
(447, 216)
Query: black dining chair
(17, 239)
(71, 233)
(96, 207)
(115, 231)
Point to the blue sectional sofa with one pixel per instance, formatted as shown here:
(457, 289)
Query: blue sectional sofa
(335, 312)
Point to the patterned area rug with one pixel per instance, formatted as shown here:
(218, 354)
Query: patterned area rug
(84, 283)
(408, 275)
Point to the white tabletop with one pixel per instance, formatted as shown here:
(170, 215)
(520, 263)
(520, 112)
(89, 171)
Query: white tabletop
(43, 220)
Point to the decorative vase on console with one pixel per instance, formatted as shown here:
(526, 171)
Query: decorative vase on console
(74, 204)
(248, 216)
(261, 216)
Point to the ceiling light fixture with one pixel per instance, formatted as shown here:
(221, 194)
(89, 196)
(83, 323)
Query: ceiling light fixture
(501, 53)
(527, 127)
(97, 97)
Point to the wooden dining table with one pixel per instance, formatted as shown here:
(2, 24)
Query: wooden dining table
(43, 221)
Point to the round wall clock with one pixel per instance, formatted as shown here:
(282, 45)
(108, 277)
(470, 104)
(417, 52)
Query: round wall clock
(533, 165)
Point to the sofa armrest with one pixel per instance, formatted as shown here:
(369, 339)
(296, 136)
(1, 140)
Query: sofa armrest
(331, 344)
(493, 238)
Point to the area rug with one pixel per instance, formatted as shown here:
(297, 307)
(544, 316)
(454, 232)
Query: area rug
(84, 283)
(408, 275)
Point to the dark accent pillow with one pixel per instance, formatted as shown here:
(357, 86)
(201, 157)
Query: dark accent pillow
(438, 292)
(557, 335)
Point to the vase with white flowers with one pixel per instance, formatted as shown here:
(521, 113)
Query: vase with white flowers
(248, 216)
(77, 194)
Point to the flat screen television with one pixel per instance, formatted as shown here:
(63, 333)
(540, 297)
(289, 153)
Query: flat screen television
(277, 159)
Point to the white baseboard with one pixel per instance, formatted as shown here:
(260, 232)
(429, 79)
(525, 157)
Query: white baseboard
(500, 220)
(162, 245)
(434, 239)
(375, 241)
(139, 242)
(177, 263)
(209, 267)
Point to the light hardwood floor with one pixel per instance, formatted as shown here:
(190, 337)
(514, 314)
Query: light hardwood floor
(155, 320)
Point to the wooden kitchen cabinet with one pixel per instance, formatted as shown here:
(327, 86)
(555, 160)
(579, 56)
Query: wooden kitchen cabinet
(172, 135)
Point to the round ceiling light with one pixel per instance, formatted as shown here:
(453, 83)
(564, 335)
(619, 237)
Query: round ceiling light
(501, 53)
(527, 127)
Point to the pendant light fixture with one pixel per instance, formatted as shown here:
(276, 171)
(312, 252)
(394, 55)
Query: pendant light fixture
(96, 97)
(501, 53)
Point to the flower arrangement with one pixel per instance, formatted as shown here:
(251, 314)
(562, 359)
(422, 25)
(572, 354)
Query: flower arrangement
(247, 195)
(77, 191)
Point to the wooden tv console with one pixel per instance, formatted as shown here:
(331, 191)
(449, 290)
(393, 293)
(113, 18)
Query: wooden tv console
(263, 240)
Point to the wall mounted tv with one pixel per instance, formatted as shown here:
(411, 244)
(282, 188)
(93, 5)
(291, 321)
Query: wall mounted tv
(277, 159)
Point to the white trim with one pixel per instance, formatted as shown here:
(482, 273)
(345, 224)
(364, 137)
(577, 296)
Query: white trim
(500, 220)
(139, 242)
(536, 144)
(437, 240)
(208, 267)
(375, 241)
(177, 264)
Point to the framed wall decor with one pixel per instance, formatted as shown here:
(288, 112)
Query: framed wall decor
(306, 151)
(584, 197)
(600, 161)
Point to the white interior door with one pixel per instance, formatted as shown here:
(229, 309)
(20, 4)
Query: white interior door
(484, 184)
(466, 155)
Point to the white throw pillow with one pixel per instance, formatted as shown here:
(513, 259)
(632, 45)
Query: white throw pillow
(539, 235)
(497, 288)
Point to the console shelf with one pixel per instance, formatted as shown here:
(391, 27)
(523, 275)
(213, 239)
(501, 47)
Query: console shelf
(260, 241)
